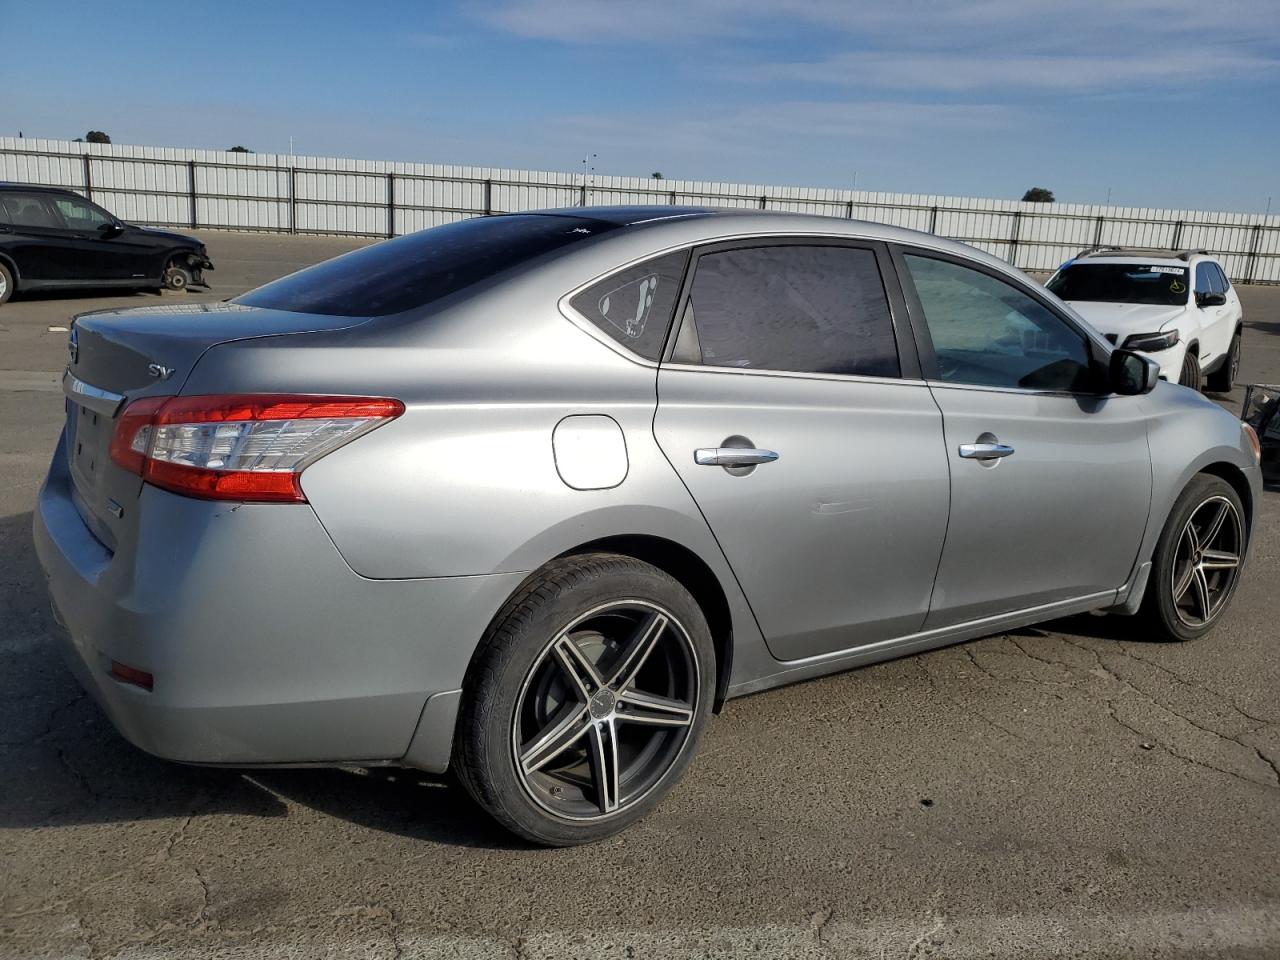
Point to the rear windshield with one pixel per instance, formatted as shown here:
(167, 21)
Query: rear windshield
(413, 270)
(1121, 283)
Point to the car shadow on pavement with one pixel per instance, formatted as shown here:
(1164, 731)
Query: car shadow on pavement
(63, 764)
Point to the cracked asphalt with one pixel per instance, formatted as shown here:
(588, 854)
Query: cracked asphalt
(1070, 790)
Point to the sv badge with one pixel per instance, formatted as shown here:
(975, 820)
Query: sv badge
(159, 371)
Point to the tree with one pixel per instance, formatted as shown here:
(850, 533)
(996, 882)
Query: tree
(238, 149)
(1038, 195)
(97, 136)
(656, 175)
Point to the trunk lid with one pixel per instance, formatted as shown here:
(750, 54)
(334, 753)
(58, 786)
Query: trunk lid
(117, 356)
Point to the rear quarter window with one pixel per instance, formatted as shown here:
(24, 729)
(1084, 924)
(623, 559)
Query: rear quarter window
(635, 306)
(420, 268)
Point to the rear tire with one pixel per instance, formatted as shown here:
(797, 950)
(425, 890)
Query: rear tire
(1190, 374)
(1224, 378)
(600, 664)
(6, 284)
(1197, 562)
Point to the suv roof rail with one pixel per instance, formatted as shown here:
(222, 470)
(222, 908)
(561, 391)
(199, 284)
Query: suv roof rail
(1162, 253)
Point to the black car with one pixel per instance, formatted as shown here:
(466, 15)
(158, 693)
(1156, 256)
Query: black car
(52, 238)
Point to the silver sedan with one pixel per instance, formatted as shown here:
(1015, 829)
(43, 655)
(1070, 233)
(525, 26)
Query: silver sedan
(530, 496)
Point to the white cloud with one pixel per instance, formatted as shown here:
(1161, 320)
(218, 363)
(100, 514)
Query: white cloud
(955, 72)
(939, 45)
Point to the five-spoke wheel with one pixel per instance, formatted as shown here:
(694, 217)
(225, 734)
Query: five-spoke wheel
(1197, 560)
(605, 710)
(586, 699)
(1207, 560)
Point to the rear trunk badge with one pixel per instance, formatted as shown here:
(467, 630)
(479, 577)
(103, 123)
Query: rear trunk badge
(159, 371)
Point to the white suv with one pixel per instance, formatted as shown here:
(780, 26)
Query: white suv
(1179, 308)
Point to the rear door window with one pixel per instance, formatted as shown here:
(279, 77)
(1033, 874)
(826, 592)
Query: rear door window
(29, 210)
(634, 307)
(791, 307)
(414, 270)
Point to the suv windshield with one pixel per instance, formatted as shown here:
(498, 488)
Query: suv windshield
(413, 270)
(1121, 283)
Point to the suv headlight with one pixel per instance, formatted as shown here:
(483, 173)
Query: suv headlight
(1151, 342)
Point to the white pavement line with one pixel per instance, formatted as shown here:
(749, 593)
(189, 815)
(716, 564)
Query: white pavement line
(30, 380)
(1204, 931)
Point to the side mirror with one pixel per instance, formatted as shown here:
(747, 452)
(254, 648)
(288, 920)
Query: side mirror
(1133, 373)
(109, 230)
(1211, 299)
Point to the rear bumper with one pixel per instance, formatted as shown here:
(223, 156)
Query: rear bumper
(265, 647)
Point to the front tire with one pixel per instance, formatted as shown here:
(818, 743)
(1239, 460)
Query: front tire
(6, 284)
(1197, 561)
(1224, 378)
(586, 699)
(1190, 373)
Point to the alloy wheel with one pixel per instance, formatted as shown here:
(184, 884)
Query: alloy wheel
(606, 710)
(1206, 563)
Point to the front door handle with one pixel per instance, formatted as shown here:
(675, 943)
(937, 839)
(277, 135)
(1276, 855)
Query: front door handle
(985, 451)
(732, 456)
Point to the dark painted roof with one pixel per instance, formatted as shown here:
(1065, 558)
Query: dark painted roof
(28, 187)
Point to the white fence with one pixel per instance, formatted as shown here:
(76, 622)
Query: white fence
(168, 186)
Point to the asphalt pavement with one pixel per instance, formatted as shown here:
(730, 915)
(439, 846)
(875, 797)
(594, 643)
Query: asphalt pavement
(1069, 790)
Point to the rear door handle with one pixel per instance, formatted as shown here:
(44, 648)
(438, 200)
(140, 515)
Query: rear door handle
(985, 451)
(732, 456)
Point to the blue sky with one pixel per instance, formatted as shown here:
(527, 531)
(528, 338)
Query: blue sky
(1170, 103)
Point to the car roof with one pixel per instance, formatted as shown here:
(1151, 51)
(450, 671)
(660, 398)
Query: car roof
(1161, 255)
(33, 187)
(677, 224)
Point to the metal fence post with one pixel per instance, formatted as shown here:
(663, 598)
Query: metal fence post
(933, 219)
(293, 200)
(1013, 237)
(391, 205)
(849, 210)
(764, 203)
(1097, 233)
(1255, 242)
(1177, 235)
(673, 198)
(582, 196)
(88, 177)
(488, 198)
(191, 192)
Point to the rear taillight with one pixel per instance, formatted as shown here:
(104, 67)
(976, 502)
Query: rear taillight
(249, 447)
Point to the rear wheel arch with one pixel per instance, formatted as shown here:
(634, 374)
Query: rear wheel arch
(12, 268)
(692, 573)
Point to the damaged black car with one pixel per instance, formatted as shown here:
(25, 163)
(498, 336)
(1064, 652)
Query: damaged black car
(52, 238)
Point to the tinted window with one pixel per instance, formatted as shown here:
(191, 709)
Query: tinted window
(29, 210)
(635, 306)
(416, 269)
(990, 333)
(1223, 284)
(1121, 283)
(79, 215)
(808, 309)
(1205, 280)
